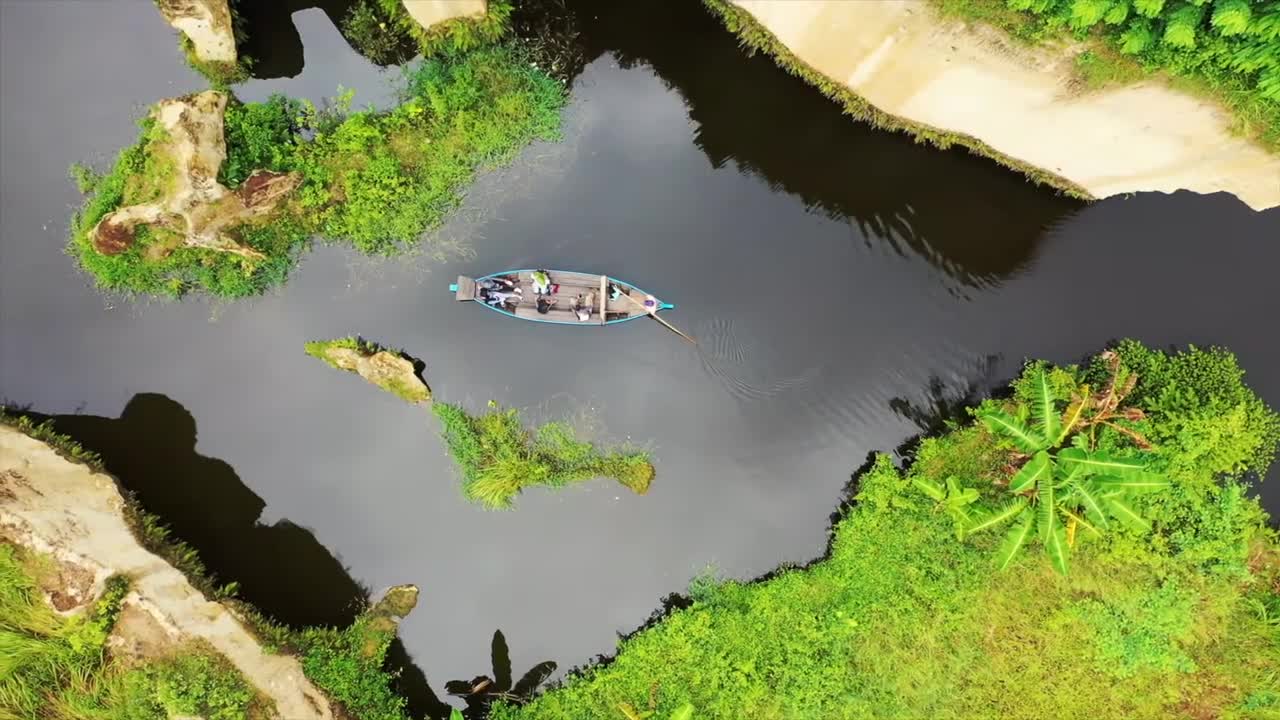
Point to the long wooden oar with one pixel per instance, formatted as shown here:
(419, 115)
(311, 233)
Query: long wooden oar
(653, 312)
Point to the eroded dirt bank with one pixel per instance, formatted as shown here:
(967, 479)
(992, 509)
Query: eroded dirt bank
(66, 510)
(906, 61)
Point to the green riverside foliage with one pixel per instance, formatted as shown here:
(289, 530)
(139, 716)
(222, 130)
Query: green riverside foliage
(348, 664)
(1229, 49)
(378, 179)
(756, 37)
(499, 457)
(901, 621)
(1057, 491)
(56, 667)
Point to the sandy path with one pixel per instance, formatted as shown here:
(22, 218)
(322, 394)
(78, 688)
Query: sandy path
(63, 508)
(908, 62)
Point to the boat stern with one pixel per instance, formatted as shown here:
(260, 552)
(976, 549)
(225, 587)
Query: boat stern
(464, 289)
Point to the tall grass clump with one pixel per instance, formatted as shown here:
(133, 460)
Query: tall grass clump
(902, 619)
(499, 457)
(376, 179)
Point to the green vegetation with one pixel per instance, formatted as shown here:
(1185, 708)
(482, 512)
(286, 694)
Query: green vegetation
(1056, 488)
(378, 179)
(379, 29)
(57, 667)
(902, 621)
(499, 457)
(1226, 49)
(756, 37)
(394, 372)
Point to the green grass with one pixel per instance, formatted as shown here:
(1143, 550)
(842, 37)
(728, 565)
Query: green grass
(499, 458)
(57, 667)
(901, 620)
(348, 664)
(376, 179)
(1214, 50)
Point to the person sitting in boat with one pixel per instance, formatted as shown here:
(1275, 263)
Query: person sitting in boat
(545, 304)
(582, 308)
(541, 282)
(498, 283)
(499, 298)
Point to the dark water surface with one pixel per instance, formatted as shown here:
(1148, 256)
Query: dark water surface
(831, 274)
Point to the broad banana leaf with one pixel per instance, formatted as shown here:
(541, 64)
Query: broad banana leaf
(1074, 412)
(1002, 423)
(1045, 413)
(958, 497)
(1046, 508)
(930, 488)
(1138, 482)
(1123, 512)
(999, 517)
(684, 712)
(1096, 463)
(1056, 548)
(1030, 474)
(1091, 501)
(1015, 539)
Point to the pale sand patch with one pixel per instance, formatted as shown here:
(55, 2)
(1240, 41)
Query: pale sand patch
(905, 60)
(432, 12)
(67, 510)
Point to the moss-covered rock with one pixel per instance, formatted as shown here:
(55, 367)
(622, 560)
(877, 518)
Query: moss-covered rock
(392, 371)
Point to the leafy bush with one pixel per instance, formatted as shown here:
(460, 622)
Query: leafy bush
(348, 664)
(900, 622)
(377, 179)
(375, 33)
(499, 457)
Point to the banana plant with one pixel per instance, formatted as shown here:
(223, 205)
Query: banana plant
(1057, 490)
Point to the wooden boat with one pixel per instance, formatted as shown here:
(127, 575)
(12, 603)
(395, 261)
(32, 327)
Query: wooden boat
(607, 301)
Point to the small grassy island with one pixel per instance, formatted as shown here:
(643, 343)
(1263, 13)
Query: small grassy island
(498, 457)
(1134, 466)
(222, 196)
(390, 370)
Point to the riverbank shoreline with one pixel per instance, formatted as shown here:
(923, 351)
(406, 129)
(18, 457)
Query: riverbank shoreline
(899, 66)
(98, 554)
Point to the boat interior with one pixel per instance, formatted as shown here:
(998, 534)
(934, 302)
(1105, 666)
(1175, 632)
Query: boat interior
(602, 298)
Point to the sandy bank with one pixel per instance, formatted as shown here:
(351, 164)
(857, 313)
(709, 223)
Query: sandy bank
(1021, 103)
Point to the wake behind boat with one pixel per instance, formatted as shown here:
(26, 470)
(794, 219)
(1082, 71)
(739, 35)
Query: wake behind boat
(559, 296)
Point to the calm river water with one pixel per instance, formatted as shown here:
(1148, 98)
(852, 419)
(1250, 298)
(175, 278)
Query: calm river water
(832, 274)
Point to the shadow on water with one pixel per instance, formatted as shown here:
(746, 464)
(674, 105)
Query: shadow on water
(282, 569)
(911, 196)
(482, 691)
(273, 41)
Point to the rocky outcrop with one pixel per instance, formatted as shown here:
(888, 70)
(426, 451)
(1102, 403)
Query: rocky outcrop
(1020, 104)
(428, 13)
(68, 511)
(389, 370)
(207, 24)
(194, 206)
